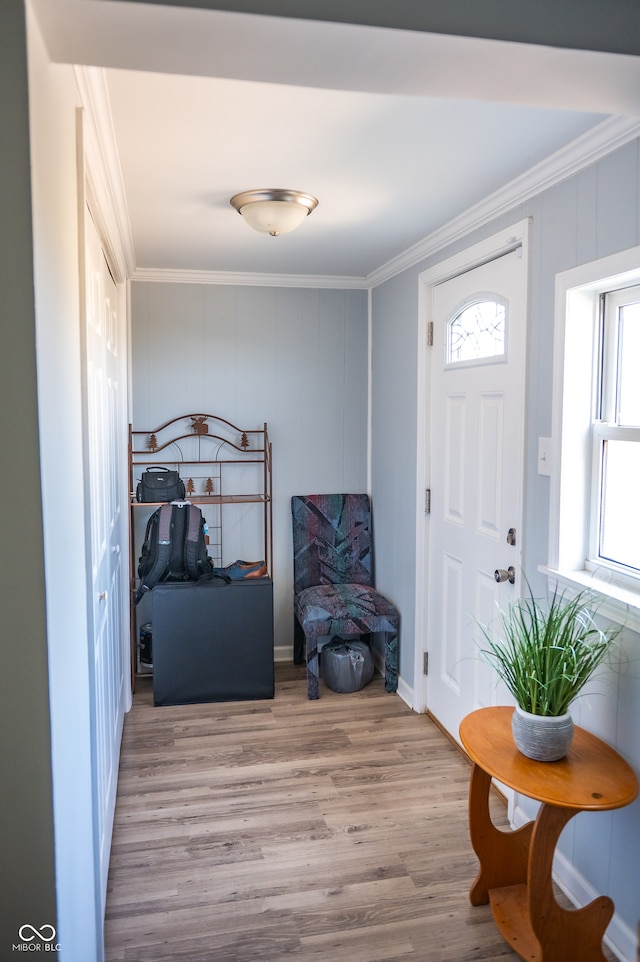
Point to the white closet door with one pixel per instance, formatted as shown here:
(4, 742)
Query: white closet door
(106, 449)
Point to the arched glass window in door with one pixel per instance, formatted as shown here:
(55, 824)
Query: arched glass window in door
(477, 330)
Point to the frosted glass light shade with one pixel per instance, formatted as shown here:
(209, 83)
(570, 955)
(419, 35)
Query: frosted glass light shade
(273, 216)
(274, 211)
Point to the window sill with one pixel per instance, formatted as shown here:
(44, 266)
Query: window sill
(617, 603)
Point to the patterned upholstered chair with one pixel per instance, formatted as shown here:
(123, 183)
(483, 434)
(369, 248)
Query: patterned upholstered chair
(333, 592)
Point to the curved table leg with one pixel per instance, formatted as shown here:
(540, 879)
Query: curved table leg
(504, 855)
(563, 934)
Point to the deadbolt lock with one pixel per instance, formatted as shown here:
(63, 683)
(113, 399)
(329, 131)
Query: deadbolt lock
(511, 536)
(509, 575)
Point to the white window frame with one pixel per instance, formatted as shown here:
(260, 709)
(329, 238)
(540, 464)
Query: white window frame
(576, 345)
(606, 427)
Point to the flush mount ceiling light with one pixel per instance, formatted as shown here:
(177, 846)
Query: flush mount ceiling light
(274, 211)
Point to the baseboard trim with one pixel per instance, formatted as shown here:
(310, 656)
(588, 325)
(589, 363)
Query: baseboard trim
(447, 734)
(283, 653)
(405, 692)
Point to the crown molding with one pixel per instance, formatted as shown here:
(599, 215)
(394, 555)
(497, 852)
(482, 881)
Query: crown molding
(160, 275)
(586, 150)
(580, 153)
(102, 167)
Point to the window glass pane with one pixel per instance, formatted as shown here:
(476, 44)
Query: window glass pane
(628, 357)
(477, 331)
(620, 504)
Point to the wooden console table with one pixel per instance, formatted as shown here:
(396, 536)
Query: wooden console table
(515, 867)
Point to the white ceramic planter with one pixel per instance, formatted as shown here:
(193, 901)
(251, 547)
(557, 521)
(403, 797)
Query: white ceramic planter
(545, 738)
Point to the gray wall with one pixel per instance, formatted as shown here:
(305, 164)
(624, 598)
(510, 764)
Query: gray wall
(295, 358)
(27, 881)
(588, 216)
(393, 454)
(612, 25)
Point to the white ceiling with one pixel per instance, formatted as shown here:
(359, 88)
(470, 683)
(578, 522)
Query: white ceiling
(396, 133)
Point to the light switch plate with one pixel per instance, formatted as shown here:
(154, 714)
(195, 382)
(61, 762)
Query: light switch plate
(544, 456)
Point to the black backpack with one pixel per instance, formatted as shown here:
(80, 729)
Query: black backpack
(174, 547)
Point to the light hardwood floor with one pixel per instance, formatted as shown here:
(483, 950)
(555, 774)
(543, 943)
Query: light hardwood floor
(288, 829)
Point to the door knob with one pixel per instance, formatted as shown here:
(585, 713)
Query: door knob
(508, 575)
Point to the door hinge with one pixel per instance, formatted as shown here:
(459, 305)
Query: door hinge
(425, 663)
(430, 334)
(427, 501)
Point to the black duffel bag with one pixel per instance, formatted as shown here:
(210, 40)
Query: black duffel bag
(160, 484)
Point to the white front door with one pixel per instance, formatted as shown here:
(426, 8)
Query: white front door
(106, 444)
(476, 476)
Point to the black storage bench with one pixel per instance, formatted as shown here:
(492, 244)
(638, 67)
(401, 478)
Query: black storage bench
(212, 642)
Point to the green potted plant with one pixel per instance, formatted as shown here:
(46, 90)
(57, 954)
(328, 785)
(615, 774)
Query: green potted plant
(545, 655)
